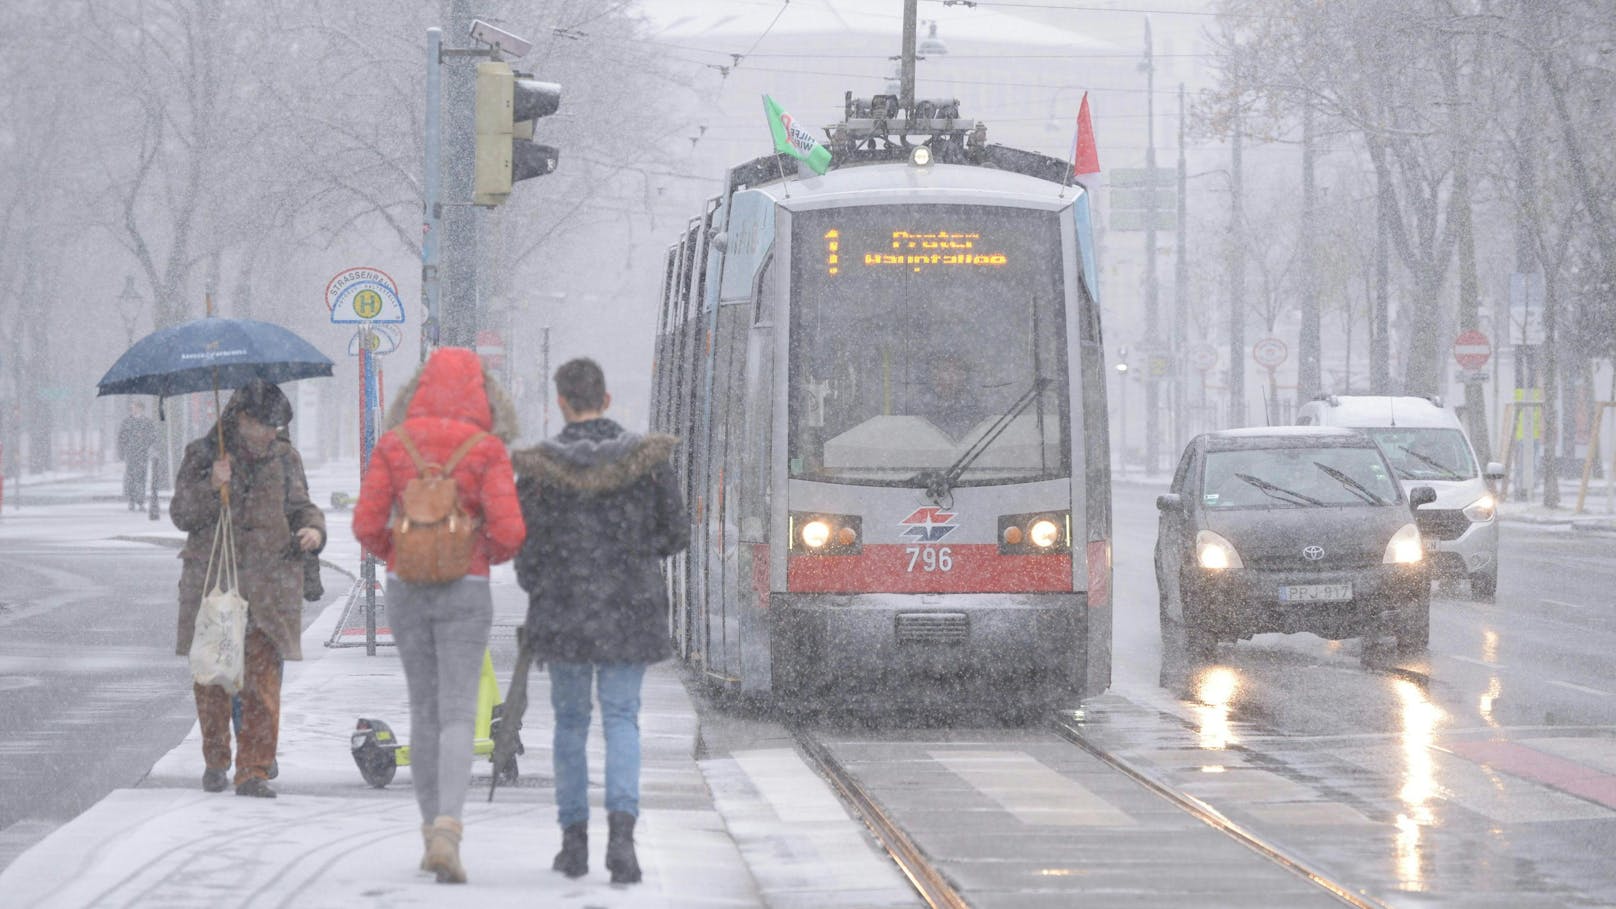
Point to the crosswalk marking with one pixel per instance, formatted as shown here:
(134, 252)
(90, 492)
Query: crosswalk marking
(1031, 791)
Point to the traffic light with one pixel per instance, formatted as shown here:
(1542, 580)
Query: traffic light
(507, 104)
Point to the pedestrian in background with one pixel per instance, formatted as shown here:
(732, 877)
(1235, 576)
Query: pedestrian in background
(275, 525)
(603, 508)
(137, 434)
(442, 629)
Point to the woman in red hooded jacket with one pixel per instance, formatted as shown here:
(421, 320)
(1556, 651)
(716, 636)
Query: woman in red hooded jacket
(442, 629)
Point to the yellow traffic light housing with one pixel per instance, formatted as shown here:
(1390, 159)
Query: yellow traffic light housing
(507, 103)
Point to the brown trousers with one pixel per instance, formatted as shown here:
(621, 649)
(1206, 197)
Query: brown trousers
(260, 714)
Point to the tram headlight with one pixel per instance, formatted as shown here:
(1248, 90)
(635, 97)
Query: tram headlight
(815, 534)
(1044, 533)
(921, 156)
(1035, 533)
(822, 533)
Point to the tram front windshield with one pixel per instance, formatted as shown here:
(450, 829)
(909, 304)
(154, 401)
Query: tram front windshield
(924, 338)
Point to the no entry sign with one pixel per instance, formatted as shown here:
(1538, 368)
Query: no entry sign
(1269, 352)
(1471, 349)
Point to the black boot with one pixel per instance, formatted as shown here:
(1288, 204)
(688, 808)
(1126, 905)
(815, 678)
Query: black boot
(573, 859)
(620, 858)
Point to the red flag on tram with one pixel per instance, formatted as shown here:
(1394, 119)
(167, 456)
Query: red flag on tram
(1085, 156)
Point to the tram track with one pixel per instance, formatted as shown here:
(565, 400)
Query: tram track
(928, 880)
(936, 890)
(1069, 729)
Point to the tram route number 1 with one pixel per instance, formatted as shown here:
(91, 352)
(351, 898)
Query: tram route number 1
(930, 558)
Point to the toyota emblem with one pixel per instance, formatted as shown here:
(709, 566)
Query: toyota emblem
(1313, 553)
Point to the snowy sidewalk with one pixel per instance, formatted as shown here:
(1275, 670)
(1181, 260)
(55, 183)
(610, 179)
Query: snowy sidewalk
(330, 840)
(748, 829)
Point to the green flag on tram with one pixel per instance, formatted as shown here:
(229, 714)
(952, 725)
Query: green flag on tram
(794, 140)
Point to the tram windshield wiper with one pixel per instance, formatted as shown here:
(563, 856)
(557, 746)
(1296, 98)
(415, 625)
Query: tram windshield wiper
(940, 483)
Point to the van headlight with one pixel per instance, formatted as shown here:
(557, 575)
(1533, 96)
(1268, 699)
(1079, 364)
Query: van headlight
(1214, 553)
(1482, 510)
(1405, 547)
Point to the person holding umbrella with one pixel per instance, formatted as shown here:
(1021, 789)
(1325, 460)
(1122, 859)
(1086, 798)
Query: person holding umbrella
(275, 524)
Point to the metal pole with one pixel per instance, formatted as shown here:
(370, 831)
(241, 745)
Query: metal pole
(1237, 286)
(544, 381)
(1152, 317)
(367, 423)
(459, 290)
(432, 189)
(906, 83)
(1181, 280)
(1309, 375)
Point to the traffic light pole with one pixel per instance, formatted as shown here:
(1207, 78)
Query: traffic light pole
(458, 314)
(432, 191)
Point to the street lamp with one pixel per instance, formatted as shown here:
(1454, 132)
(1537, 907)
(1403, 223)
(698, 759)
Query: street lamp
(129, 305)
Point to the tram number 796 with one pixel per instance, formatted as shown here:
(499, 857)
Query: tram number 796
(930, 558)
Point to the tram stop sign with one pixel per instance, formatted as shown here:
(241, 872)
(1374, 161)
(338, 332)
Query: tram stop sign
(1472, 349)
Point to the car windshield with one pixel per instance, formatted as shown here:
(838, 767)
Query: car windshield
(1296, 477)
(1426, 454)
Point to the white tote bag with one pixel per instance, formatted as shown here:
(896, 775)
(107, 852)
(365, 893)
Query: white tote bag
(218, 648)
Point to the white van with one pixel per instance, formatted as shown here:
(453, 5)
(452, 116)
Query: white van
(1427, 446)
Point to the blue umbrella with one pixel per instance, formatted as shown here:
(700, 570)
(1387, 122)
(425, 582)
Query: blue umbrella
(209, 354)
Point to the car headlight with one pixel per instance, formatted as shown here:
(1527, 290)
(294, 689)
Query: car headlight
(1405, 547)
(1214, 553)
(1482, 510)
(815, 534)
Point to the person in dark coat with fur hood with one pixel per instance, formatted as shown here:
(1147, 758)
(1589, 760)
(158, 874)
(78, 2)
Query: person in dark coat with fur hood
(603, 508)
(275, 526)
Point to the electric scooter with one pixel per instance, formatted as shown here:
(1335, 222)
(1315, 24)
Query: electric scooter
(379, 753)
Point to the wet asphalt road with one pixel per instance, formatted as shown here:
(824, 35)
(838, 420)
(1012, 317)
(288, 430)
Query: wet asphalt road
(91, 693)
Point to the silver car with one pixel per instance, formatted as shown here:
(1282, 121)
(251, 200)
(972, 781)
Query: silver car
(1426, 446)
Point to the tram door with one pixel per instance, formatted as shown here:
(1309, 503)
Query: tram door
(724, 442)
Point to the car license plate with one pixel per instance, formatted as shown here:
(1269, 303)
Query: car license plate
(1315, 593)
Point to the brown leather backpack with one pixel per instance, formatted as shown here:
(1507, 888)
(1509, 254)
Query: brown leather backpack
(433, 536)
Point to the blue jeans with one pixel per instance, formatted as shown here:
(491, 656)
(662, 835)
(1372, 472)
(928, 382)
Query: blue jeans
(619, 689)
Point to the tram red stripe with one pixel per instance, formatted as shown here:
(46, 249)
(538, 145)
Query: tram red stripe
(1551, 770)
(885, 568)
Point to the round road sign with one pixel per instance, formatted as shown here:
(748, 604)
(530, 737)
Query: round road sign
(1269, 352)
(1203, 356)
(1472, 349)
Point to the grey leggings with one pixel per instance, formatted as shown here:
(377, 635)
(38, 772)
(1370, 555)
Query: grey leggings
(441, 631)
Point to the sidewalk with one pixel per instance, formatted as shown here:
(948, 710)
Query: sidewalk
(751, 828)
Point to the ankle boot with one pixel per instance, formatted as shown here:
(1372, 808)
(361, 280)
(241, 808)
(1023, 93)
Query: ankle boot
(443, 851)
(620, 858)
(573, 859)
(426, 846)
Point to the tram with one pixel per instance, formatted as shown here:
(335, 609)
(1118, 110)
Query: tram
(890, 387)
